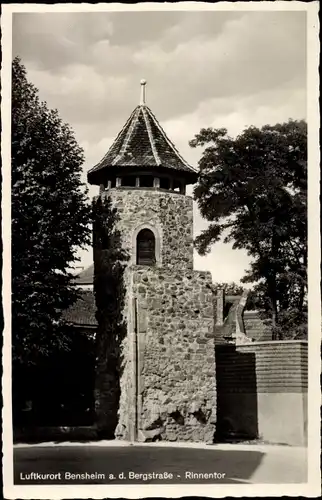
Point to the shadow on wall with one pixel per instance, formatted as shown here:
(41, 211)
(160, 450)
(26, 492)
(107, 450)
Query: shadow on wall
(237, 412)
(110, 291)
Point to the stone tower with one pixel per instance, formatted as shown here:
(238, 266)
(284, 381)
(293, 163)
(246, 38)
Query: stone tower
(168, 385)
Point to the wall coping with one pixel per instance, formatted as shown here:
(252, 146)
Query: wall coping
(155, 191)
(168, 270)
(274, 342)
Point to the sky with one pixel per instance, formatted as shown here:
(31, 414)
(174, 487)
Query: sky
(203, 69)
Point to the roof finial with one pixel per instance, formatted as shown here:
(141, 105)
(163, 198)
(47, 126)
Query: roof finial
(142, 99)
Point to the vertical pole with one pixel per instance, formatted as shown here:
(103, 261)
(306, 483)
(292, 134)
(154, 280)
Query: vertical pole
(134, 426)
(138, 370)
(142, 97)
(156, 183)
(220, 306)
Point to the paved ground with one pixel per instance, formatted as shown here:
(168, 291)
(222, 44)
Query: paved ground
(231, 463)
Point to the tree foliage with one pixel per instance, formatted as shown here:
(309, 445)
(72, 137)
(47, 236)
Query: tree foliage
(253, 191)
(50, 220)
(230, 288)
(109, 289)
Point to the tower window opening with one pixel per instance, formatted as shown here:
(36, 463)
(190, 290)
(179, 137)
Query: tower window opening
(164, 183)
(146, 181)
(129, 181)
(145, 248)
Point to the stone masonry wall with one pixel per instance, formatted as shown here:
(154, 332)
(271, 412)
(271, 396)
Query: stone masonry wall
(171, 214)
(176, 389)
(168, 388)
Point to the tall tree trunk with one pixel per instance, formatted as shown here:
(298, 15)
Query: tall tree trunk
(274, 316)
(301, 297)
(303, 285)
(272, 284)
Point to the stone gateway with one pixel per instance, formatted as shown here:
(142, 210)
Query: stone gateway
(168, 382)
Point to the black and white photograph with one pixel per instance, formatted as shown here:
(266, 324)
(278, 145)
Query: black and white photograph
(161, 244)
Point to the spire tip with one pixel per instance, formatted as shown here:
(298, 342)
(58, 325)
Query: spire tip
(142, 99)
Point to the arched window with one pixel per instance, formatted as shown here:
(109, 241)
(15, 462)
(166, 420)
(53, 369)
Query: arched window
(145, 248)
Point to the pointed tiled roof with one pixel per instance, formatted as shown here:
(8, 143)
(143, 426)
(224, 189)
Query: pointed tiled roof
(82, 312)
(142, 143)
